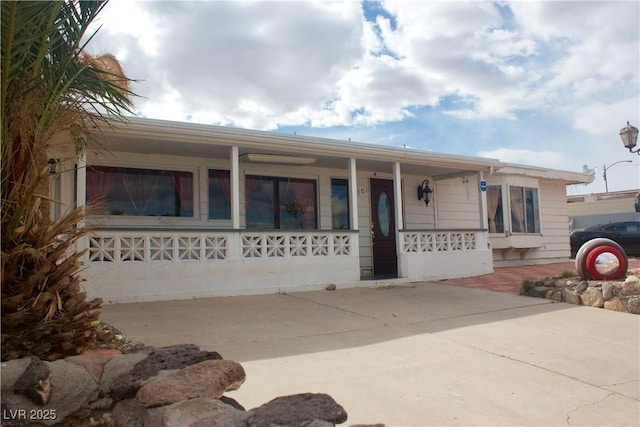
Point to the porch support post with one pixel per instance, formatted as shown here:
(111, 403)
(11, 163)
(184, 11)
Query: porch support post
(81, 182)
(235, 188)
(397, 189)
(81, 200)
(482, 201)
(353, 194)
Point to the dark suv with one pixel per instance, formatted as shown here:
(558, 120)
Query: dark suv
(626, 234)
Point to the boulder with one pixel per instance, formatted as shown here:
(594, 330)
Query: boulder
(94, 361)
(609, 290)
(200, 411)
(631, 286)
(572, 297)
(35, 382)
(73, 390)
(119, 367)
(539, 291)
(297, 410)
(582, 286)
(158, 359)
(615, 304)
(209, 379)
(633, 304)
(593, 298)
(554, 295)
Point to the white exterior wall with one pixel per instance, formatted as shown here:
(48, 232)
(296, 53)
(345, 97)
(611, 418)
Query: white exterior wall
(456, 202)
(150, 266)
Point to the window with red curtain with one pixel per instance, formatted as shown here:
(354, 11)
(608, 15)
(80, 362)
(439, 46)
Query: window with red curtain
(140, 192)
(281, 203)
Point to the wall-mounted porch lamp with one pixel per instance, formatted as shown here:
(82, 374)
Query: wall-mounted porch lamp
(629, 135)
(53, 163)
(424, 192)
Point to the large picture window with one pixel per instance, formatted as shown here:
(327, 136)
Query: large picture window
(219, 194)
(340, 204)
(140, 192)
(525, 211)
(280, 203)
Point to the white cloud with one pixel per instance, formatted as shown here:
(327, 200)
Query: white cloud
(268, 64)
(550, 159)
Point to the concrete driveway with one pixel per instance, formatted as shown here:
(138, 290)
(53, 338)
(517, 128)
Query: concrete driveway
(415, 355)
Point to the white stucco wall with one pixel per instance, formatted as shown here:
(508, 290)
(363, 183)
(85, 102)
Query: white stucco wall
(154, 281)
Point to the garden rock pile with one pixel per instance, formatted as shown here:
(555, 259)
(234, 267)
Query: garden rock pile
(175, 386)
(621, 295)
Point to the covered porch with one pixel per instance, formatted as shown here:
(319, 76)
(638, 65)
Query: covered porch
(355, 209)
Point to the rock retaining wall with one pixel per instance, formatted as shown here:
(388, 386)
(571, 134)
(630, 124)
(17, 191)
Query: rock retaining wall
(623, 296)
(175, 386)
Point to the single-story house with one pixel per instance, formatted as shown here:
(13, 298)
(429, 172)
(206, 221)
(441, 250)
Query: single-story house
(183, 210)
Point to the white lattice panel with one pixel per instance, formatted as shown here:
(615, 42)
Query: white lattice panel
(319, 245)
(470, 241)
(215, 247)
(439, 241)
(132, 248)
(456, 241)
(161, 248)
(342, 244)
(102, 249)
(174, 247)
(252, 246)
(411, 243)
(298, 245)
(276, 246)
(189, 248)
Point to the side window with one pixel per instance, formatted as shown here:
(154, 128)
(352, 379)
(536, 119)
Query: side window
(340, 204)
(494, 209)
(525, 211)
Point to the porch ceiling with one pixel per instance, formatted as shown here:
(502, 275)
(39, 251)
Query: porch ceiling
(203, 141)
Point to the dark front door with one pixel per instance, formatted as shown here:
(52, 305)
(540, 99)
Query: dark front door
(383, 229)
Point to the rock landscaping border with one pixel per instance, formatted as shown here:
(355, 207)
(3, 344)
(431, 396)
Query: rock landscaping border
(616, 295)
(175, 386)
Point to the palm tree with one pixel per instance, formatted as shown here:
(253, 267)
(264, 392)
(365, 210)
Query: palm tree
(49, 86)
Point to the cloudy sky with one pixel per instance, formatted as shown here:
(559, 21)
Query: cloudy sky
(541, 83)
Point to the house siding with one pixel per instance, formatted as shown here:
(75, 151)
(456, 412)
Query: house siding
(456, 202)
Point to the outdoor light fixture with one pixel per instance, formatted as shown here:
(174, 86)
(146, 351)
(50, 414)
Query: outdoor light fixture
(424, 192)
(53, 163)
(629, 135)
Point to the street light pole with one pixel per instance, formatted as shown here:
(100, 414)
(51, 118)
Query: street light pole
(604, 174)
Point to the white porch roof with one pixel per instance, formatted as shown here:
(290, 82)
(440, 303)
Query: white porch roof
(139, 135)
